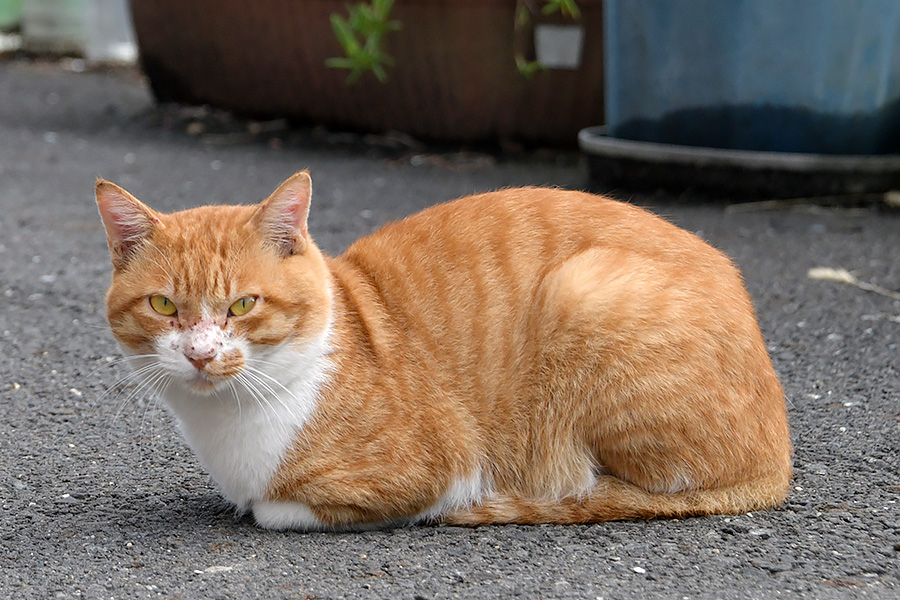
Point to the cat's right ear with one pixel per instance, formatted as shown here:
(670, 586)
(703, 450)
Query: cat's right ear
(127, 220)
(281, 218)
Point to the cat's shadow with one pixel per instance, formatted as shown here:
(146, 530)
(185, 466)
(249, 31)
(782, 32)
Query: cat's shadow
(184, 514)
(209, 515)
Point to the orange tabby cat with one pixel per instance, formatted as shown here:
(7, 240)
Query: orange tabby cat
(523, 356)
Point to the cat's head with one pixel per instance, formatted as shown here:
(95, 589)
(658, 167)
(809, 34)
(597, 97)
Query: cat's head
(199, 295)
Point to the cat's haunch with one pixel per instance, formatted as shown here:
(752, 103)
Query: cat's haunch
(523, 356)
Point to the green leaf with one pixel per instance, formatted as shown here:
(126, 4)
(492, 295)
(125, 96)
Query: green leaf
(360, 36)
(528, 68)
(567, 8)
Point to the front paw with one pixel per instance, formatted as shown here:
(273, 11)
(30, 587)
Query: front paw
(282, 515)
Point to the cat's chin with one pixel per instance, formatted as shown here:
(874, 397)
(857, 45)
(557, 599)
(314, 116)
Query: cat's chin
(203, 385)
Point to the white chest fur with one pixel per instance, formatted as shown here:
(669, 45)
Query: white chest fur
(241, 433)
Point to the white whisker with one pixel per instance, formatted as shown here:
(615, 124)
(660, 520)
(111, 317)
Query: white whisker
(146, 384)
(125, 382)
(264, 362)
(258, 375)
(114, 363)
(167, 382)
(237, 397)
(260, 398)
(153, 397)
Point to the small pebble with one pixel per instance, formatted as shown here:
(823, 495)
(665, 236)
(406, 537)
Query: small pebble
(214, 569)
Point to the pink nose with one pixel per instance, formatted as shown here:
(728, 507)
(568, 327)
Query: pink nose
(199, 355)
(201, 362)
(201, 344)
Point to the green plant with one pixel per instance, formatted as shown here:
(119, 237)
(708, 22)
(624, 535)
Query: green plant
(567, 8)
(360, 36)
(525, 10)
(362, 32)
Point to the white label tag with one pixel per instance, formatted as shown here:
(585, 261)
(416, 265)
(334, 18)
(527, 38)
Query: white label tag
(559, 46)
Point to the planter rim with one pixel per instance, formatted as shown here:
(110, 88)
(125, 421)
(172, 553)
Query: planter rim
(595, 141)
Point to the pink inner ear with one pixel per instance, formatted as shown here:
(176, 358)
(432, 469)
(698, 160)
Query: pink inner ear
(282, 217)
(130, 231)
(126, 220)
(296, 212)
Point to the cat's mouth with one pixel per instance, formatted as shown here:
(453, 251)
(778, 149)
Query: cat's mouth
(210, 376)
(203, 383)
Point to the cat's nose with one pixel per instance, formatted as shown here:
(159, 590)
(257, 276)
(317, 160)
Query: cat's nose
(199, 362)
(201, 344)
(200, 355)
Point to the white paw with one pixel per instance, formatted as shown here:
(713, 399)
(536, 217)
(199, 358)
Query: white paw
(286, 515)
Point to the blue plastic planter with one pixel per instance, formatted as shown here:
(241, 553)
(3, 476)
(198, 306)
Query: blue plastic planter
(815, 76)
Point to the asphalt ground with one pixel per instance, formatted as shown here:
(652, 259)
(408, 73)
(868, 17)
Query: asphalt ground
(101, 498)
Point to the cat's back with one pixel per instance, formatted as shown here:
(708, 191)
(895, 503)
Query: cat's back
(521, 232)
(476, 280)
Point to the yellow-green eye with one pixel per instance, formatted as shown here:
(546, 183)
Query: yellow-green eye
(242, 306)
(163, 305)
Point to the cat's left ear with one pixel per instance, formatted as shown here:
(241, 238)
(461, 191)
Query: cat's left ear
(127, 220)
(281, 218)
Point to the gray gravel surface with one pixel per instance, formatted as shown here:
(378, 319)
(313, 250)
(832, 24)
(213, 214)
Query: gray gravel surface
(101, 499)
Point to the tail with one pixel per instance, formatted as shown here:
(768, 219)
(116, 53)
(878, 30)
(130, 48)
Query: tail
(613, 499)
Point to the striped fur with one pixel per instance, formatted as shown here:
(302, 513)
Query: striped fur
(523, 356)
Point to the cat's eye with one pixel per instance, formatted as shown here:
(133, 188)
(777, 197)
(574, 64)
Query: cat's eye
(242, 306)
(163, 305)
